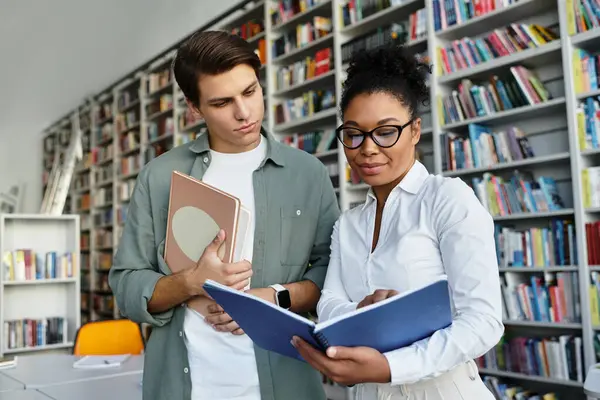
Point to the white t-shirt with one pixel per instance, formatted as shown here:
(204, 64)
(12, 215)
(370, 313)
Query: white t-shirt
(213, 355)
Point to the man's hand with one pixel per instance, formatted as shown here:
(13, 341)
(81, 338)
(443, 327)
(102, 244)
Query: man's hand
(377, 296)
(222, 322)
(347, 365)
(210, 266)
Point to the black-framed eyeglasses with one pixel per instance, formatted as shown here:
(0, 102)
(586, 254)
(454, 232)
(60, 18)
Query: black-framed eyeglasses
(383, 136)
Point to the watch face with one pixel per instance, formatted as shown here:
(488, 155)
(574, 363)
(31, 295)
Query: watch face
(284, 300)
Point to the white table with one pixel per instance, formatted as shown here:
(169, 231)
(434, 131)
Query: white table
(41, 370)
(118, 387)
(23, 395)
(8, 384)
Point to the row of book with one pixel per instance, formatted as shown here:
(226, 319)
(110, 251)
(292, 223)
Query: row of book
(467, 52)
(555, 357)
(249, 29)
(284, 10)
(594, 292)
(590, 187)
(163, 103)
(103, 111)
(521, 87)
(103, 174)
(396, 33)
(130, 164)
(549, 246)
(582, 15)
(587, 113)
(354, 11)
(125, 189)
(129, 141)
(122, 214)
(83, 202)
(592, 234)
(128, 97)
(104, 305)
(127, 121)
(509, 390)
(315, 142)
(186, 119)
(482, 147)
(103, 217)
(457, 12)
(104, 132)
(305, 105)
(81, 181)
(102, 154)
(103, 238)
(302, 35)
(159, 79)
(160, 128)
(551, 298)
(29, 333)
(521, 193)
(84, 241)
(586, 68)
(28, 265)
(303, 70)
(103, 196)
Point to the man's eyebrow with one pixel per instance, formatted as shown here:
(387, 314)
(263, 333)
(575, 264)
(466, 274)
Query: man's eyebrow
(220, 99)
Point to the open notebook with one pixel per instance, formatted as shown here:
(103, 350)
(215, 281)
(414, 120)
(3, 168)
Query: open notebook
(100, 362)
(388, 325)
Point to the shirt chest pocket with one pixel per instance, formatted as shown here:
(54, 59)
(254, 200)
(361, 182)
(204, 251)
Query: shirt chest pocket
(297, 236)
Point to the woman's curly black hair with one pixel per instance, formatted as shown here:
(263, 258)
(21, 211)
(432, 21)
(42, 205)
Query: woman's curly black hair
(391, 69)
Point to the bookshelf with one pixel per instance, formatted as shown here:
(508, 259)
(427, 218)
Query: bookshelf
(477, 102)
(39, 284)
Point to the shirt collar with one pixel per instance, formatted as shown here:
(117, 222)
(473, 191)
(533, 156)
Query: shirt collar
(274, 153)
(411, 183)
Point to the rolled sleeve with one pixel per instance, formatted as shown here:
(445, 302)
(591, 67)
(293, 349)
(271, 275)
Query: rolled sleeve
(466, 241)
(135, 270)
(329, 212)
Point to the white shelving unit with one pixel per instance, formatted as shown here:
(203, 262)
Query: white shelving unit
(550, 127)
(40, 298)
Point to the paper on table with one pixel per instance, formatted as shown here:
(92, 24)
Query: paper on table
(8, 362)
(92, 362)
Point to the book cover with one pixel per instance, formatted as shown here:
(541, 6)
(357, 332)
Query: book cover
(391, 324)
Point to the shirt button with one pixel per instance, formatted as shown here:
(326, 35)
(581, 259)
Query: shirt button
(180, 333)
(205, 159)
(298, 212)
(186, 370)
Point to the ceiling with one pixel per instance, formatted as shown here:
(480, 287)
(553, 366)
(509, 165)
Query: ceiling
(54, 53)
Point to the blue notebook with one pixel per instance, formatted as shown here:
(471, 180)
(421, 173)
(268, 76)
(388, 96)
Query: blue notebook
(388, 325)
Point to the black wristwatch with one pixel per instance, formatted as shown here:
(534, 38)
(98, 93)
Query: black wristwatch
(282, 296)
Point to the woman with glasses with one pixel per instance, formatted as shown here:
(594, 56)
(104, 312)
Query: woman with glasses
(413, 229)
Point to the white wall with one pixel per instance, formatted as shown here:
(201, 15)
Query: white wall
(55, 53)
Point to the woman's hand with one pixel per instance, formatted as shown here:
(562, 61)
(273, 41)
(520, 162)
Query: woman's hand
(346, 365)
(377, 296)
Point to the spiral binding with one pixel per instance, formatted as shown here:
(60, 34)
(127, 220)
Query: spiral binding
(322, 340)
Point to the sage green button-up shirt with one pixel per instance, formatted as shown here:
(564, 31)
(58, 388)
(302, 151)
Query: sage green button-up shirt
(296, 209)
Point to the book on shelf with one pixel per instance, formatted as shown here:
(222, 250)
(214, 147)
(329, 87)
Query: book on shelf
(457, 12)
(484, 147)
(587, 113)
(594, 292)
(510, 390)
(28, 265)
(555, 357)
(582, 16)
(315, 142)
(304, 70)
(305, 105)
(469, 52)
(388, 325)
(592, 233)
(521, 193)
(551, 298)
(197, 211)
(517, 88)
(30, 333)
(540, 246)
(302, 36)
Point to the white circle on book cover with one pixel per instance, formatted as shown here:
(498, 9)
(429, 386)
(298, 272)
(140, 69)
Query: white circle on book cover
(193, 230)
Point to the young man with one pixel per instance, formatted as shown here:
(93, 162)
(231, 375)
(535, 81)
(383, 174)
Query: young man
(202, 356)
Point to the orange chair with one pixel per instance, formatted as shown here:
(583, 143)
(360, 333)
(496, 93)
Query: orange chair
(113, 337)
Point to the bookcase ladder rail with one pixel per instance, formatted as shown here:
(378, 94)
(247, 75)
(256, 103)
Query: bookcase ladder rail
(56, 193)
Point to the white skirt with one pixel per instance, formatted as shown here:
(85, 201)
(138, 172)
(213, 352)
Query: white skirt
(460, 383)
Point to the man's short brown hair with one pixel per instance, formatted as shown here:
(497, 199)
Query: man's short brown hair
(211, 53)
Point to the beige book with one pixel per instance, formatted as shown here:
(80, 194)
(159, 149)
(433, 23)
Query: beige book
(197, 211)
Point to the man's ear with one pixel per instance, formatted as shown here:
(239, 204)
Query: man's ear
(195, 110)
